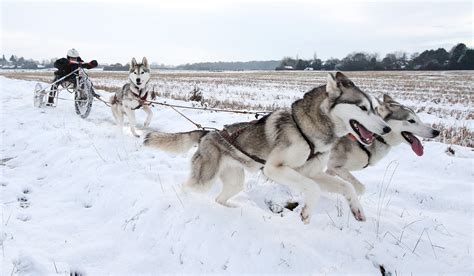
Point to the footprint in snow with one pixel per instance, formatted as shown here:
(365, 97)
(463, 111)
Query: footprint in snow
(24, 202)
(23, 217)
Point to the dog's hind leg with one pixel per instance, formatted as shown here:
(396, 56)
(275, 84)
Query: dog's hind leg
(132, 121)
(118, 115)
(335, 185)
(149, 115)
(204, 168)
(232, 183)
(348, 176)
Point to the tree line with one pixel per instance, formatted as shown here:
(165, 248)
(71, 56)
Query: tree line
(231, 65)
(460, 57)
(20, 62)
(15, 62)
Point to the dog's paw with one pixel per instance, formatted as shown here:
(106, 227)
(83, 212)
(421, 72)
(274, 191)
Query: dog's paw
(305, 216)
(230, 205)
(358, 213)
(226, 203)
(76, 273)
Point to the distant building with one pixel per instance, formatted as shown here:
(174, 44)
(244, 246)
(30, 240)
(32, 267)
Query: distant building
(9, 67)
(285, 68)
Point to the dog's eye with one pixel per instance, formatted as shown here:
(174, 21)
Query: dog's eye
(143, 73)
(363, 108)
(411, 121)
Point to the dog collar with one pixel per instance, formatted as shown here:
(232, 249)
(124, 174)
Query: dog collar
(352, 137)
(381, 140)
(369, 155)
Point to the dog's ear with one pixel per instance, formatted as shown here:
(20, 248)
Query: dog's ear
(133, 63)
(379, 102)
(387, 99)
(383, 109)
(343, 80)
(387, 106)
(340, 76)
(331, 87)
(145, 62)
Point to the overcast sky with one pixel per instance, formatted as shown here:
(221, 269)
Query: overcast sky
(176, 32)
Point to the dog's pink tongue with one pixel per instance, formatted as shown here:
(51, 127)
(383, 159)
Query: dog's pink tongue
(416, 145)
(364, 133)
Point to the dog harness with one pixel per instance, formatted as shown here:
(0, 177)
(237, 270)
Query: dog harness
(364, 148)
(312, 154)
(143, 99)
(231, 138)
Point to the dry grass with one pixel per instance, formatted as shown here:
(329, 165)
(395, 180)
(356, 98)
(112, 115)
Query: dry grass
(461, 136)
(446, 95)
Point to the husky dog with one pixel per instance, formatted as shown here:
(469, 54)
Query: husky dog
(348, 154)
(291, 146)
(134, 95)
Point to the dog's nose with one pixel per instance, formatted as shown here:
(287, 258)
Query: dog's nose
(386, 130)
(138, 80)
(435, 132)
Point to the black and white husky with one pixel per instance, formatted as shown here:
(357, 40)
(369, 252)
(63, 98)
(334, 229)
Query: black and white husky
(133, 95)
(349, 155)
(291, 146)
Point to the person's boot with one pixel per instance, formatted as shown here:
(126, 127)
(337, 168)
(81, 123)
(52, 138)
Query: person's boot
(95, 94)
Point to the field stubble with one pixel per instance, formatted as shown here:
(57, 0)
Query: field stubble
(446, 96)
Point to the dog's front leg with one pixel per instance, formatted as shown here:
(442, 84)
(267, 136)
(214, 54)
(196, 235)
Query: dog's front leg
(348, 176)
(132, 121)
(335, 185)
(149, 113)
(286, 175)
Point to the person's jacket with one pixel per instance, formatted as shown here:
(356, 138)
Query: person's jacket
(65, 66)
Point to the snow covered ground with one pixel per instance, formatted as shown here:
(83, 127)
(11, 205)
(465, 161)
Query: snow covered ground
(443, 98)
(77, 195)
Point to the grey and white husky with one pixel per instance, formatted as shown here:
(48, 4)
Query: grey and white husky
(291, 146)
(348, 154)
(133, 95)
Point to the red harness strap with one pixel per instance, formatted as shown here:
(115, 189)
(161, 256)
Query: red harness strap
(142, 100)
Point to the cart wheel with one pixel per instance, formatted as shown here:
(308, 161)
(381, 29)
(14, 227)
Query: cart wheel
(83, 99)
(39, 99)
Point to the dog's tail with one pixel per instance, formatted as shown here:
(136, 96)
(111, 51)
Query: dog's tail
(174, 142)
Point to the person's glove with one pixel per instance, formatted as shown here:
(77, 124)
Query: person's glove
(93, 63)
